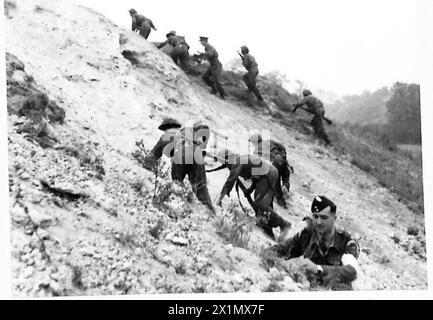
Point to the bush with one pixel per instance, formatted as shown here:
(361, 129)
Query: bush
(235, 226)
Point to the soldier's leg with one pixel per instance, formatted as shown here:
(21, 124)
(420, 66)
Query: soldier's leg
(178, 171)
(253, 85)
(319, 130)
(217, 79)
(263, 200)
(247, 82)
(207, 77)
(145, 31)
(197, 178)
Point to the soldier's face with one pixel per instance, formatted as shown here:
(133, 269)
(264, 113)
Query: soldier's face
(323, 221)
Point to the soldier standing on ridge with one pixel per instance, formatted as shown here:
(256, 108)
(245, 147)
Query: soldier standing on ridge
(263, 186)
(141, 23)
(314, 106)
(331, 253)
(186, 155)
(250, 77)
(179, 54)
(276, 153)
(212, 75)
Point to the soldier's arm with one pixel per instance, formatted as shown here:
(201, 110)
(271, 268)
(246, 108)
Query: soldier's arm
(245, 61)
(151, 25)
(228, 186)
(134, 24)
(298, 104)
(291, 248)
(347, 272)
(162, 44)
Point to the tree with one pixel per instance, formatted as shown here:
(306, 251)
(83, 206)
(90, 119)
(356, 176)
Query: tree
(404, 114)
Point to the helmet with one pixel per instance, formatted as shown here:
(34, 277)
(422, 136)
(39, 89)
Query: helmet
(203, 38)
(306, 92)
(132, 11)
(171, 33)
(244, 49)
(169, 123)
(256, 138)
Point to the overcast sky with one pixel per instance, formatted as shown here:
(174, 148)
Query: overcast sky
(339, 45)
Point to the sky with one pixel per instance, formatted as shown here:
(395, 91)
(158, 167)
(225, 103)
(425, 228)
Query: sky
(337, 45)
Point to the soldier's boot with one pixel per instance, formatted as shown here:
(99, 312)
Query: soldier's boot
(282, 202)
(221, 91)
(284, 230)
(257, 93)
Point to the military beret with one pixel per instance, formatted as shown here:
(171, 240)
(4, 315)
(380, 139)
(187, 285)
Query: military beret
(320, 203)
(169, 123)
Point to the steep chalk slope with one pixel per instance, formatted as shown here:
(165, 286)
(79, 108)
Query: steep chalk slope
(105, 239)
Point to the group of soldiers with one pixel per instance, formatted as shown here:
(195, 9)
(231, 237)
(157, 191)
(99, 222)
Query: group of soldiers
(212, 76)
(330, 253)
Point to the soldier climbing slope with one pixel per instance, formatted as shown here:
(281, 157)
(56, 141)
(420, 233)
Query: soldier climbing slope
(212, 76)
(250, 77)
(263, 185)
(185, 147)
(331, 253)
(314, 106)
(276, 153)
(179, 54)
(141, 23)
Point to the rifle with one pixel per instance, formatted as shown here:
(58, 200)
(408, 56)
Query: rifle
(240, 55)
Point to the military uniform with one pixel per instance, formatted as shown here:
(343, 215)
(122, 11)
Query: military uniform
(185, 160)
(264, 189)
(250, 77)
(307, 244)
(179, 54)
(315, 106)
(278, 157)
(143, 24)
(212, 76)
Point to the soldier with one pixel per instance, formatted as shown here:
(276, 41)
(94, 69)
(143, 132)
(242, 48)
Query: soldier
(330, 253)
(263, 186)
(185, 147)
(314, 106)
(179, 54)
(212, 75)
(141, 23)
(276, 153)
(250, 77)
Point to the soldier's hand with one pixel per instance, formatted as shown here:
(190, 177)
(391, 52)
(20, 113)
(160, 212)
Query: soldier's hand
(310, 267)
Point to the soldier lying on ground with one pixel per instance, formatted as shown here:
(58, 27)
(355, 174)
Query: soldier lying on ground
(314, 106)
(141, 23)
(184, 146)
(331, 253)
(263, 185)
(276, 153)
